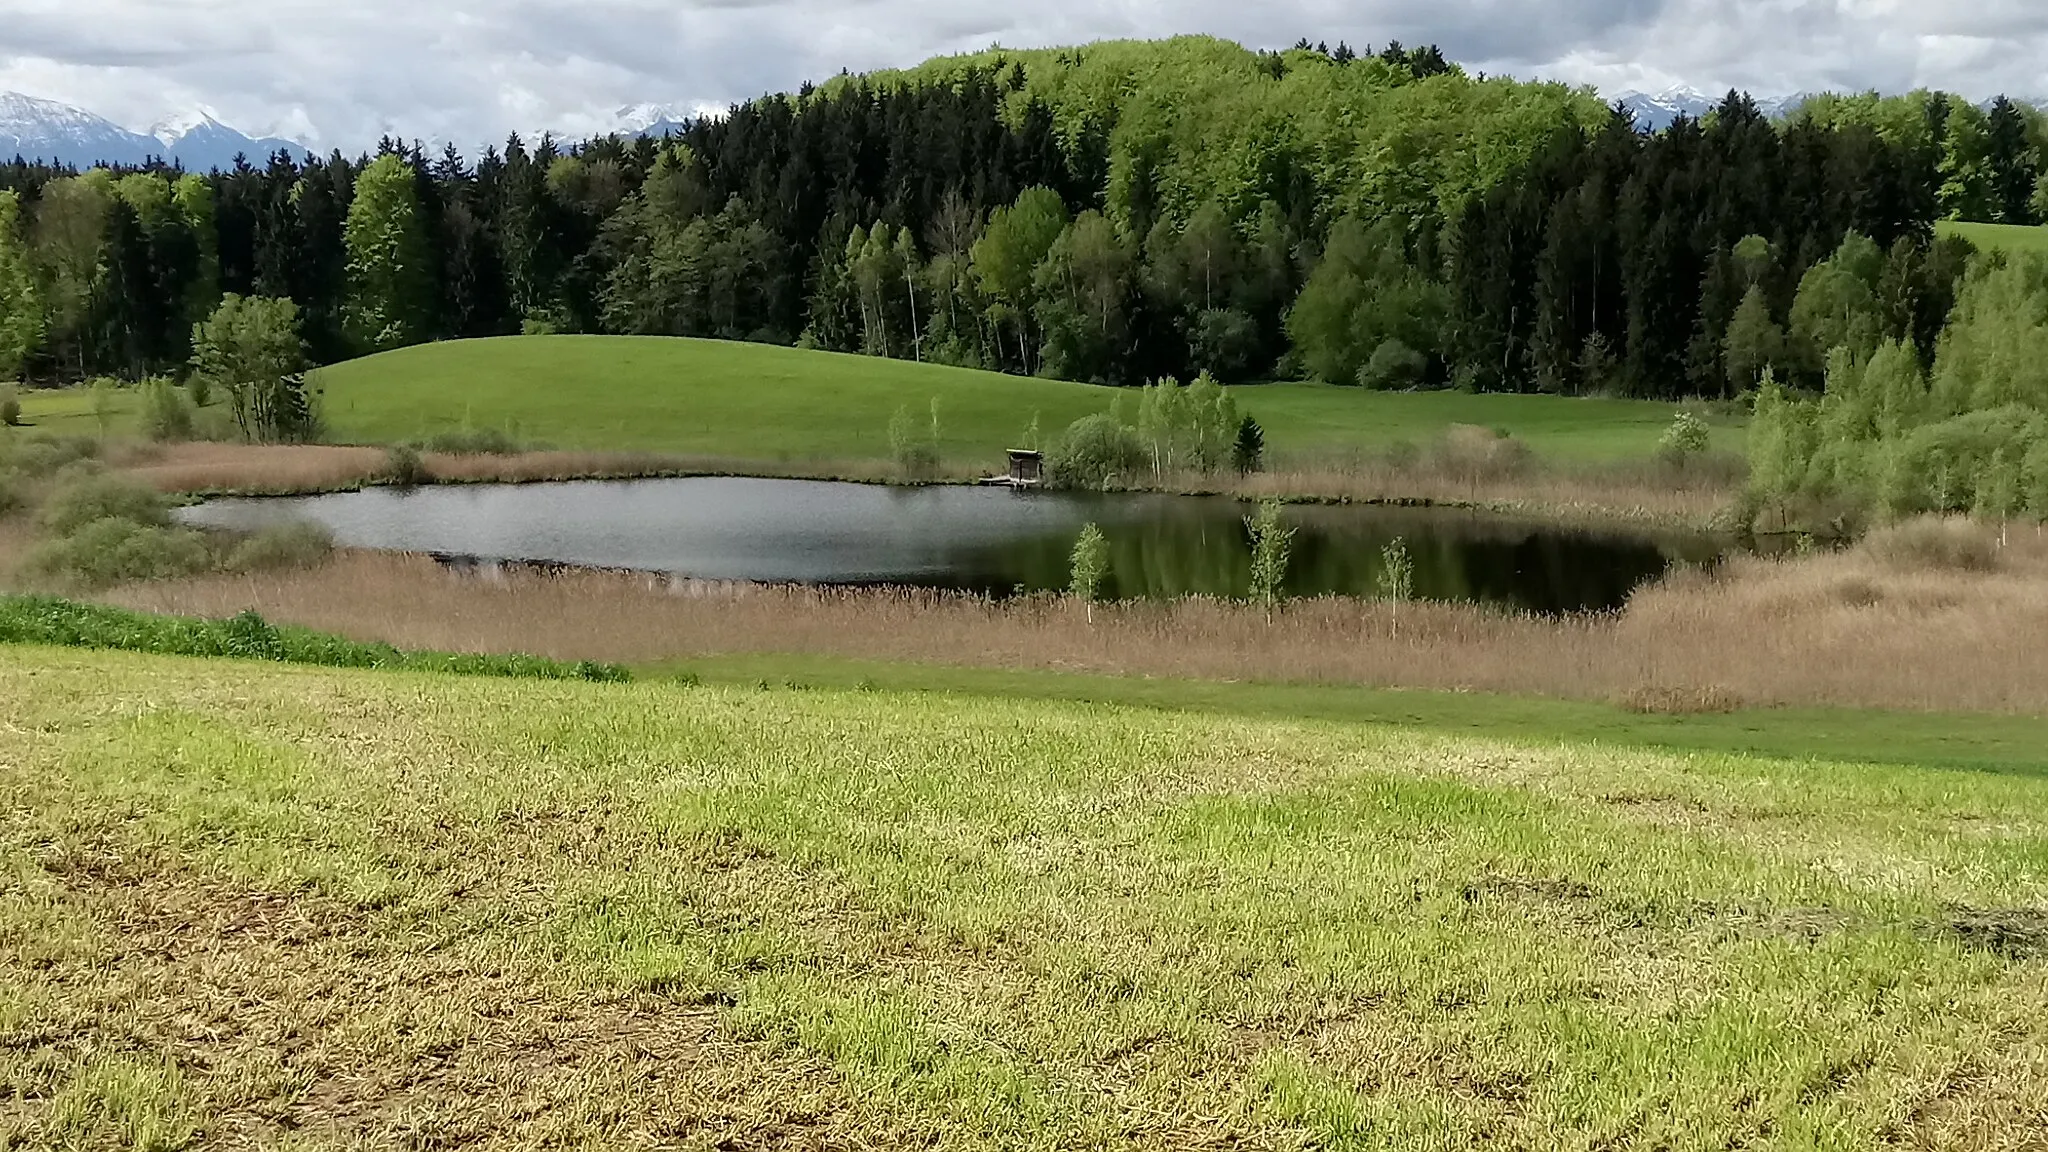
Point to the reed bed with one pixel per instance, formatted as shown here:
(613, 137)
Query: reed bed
(1848, 629)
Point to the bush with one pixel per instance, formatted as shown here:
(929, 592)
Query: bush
(166, 415)
(11, 498)
(1934, 544)
(64, 623)
(40, 456)
(201, 388)
(1686, 440)
(403, 466)
(1093, 453)
(472, 442)
(1393, 365)
(85, 496)
(10, 406)
(299, 544)
(1473, 453)
(117, 551)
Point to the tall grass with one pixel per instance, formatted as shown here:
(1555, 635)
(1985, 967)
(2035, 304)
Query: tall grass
(1846, 629)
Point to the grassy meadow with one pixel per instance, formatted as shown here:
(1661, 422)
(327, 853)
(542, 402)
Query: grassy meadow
(297, 907)
(1994, 237)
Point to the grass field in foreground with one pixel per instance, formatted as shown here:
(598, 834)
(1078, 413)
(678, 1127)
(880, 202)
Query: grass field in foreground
(313, 908)
(2009, 237)
(785, 404)
(1970, 741)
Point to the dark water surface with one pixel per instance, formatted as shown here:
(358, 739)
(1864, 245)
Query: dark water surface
(988, 540)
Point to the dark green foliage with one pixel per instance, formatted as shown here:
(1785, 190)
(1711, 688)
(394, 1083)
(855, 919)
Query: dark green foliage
(64, 623)
(1248, 450)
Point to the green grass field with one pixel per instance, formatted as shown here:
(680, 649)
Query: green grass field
(296, 907)
(2009, 237)
(783, 404)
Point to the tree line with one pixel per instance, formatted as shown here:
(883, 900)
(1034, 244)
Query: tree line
(1120, 213)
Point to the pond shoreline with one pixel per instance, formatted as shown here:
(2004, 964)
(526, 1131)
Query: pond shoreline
(1564, 501)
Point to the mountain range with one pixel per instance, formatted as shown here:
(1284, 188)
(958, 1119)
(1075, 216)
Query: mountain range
(37, 129)
(1658, 112)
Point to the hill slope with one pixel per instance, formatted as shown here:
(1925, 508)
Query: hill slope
(760, 402)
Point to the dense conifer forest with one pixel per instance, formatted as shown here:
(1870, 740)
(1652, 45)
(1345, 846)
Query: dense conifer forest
(1114, 213)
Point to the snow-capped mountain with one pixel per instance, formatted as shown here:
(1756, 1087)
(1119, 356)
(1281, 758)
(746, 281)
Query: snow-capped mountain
(59, 133)
(1658, 112)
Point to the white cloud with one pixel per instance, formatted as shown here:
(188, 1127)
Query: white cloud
(342, 74)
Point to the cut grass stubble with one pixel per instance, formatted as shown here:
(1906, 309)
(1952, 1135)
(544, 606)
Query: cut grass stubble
(351, 908)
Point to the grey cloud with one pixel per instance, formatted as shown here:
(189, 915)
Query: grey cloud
(477, 69)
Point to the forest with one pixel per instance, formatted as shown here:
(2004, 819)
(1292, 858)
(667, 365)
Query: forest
(1116, 213)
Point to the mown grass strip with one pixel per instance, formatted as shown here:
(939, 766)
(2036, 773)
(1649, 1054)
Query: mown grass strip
(64, 623)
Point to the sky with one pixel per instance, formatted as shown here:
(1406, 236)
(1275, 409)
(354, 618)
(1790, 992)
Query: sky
(343, 72)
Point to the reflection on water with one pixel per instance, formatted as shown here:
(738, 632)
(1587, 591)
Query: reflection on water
(987, 540)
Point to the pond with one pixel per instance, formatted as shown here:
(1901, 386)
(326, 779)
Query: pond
(984, 540)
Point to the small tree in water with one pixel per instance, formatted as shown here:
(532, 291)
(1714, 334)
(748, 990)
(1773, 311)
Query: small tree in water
(1090, 564)
(1397, 577)
(1272, 542)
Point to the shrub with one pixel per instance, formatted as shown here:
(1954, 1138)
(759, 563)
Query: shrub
(1272, 543)
(1473, 453)
(1094, 452)
(1393, 365)
(11, 498)
(1685, 440)
(915, 453)
(116, 551)
(166, 415)
(403, 466)
(200, 386)
(298, 544)
(64, 623)
(472, 442)
(10, 406)
(1934, 544)
(39, 456)
(85, 496)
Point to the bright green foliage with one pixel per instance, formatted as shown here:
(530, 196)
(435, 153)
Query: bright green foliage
(1837, 305)
(1272, 545)
(193, 198)
(1187, 429)
(1367, 315)
(21, 306)
(390, 279)
(1096, 452)
(1397, 577)
(166, 414)
(914, 445)
(1202, 121)
(1006, 260)
(1685, 440)
(1881, 437)
(1755, 343)
(251, 351)
(1090, 564)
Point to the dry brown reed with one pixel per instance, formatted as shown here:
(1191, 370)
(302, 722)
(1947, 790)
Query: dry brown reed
(1842, 629)
(267, 469)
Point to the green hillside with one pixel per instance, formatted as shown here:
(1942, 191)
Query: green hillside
(283, 906)
(1992, 237)
(759, 402)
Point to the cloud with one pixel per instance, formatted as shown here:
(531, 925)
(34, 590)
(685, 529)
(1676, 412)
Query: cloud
(473, 70)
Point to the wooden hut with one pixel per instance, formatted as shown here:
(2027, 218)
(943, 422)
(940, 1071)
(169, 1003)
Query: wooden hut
(1027, 470)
